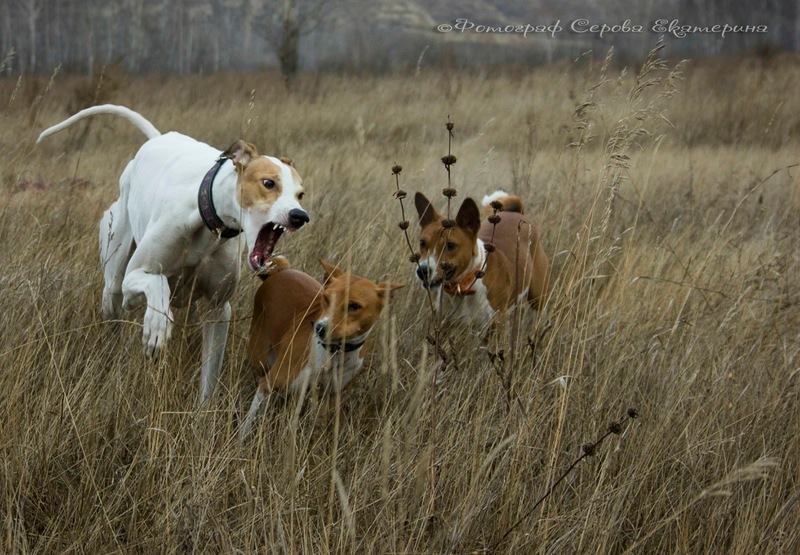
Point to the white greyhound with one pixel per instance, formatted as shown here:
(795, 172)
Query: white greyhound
(180, 204)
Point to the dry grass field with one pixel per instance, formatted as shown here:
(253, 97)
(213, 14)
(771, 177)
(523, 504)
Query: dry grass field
(669, 206)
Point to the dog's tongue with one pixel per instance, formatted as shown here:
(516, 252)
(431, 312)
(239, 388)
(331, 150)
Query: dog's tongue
(265, 243)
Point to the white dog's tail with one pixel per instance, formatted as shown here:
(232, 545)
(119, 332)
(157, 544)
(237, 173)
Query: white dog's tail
(135, 118)
(510, 203)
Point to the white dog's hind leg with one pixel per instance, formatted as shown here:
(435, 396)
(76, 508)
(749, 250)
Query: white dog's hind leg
(116, 240)
(215, 336)
(247, 425)
(157, 325)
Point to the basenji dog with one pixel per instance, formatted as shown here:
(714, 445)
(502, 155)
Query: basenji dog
(180, 204)
(470, 283)
(305, 333)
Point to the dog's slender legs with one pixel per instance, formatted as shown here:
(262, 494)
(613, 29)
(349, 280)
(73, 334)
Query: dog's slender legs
(247, 425)
(115, 247)
(116, 240)
(215, 336)
(157, 326)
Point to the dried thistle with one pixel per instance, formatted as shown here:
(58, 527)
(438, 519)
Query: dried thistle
(587, 450)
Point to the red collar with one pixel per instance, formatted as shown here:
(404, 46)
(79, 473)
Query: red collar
(462, 287)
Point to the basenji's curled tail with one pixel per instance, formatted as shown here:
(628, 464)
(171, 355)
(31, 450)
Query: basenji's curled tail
(511, 203)
(276, 264)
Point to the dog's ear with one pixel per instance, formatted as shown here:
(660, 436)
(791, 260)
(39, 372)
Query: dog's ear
(242, 153)
(386, 288)
(287, 161)
(469, 217)
(331, 270)
(427, 213)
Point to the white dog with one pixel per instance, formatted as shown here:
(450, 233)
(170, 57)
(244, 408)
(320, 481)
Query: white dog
(181, 202)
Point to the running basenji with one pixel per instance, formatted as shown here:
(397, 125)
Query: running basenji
(303, 332)
(478, 285)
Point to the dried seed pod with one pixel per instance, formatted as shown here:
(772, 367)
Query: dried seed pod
(494, 219)
(449, 159)
(489, 247)
(414, 258)
(588, 449)
(479, 274)
(447, 224)
(403, 225)
(396, 169)
(400, 195)
(615, 428)
(449, 192)
(633, 413)
(449, 125)
(496, 205)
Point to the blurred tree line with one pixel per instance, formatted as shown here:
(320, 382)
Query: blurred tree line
(181, 36)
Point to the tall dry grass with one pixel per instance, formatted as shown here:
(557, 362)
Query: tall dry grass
(668, 206)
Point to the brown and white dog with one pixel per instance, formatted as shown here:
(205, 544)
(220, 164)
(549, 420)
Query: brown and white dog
(478, 287)
(303, 333)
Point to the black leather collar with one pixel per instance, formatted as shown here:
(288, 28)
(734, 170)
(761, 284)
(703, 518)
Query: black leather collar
(205, 203)
(347, 346)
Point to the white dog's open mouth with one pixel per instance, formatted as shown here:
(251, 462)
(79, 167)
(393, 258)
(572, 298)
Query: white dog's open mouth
(265, 243)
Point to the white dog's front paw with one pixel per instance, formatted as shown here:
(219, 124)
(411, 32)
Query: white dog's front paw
(157, 330)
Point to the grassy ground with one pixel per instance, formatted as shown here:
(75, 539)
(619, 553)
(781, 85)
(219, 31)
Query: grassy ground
(667, 205)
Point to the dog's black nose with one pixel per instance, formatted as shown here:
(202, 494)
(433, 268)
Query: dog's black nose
(297, 218)
(424, 273)
(320, 329)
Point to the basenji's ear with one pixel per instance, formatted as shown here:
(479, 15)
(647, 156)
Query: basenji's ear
(331, 270)
(427, 213)
(469, 217)
(242, 153)
(386, 288)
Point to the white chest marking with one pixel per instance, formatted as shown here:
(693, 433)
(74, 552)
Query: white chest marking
(324, 367)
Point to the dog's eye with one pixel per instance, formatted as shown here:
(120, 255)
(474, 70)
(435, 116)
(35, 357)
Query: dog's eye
(353, 307)
(268, 183)
(300, 195)
(450, 246)
(422, 243)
